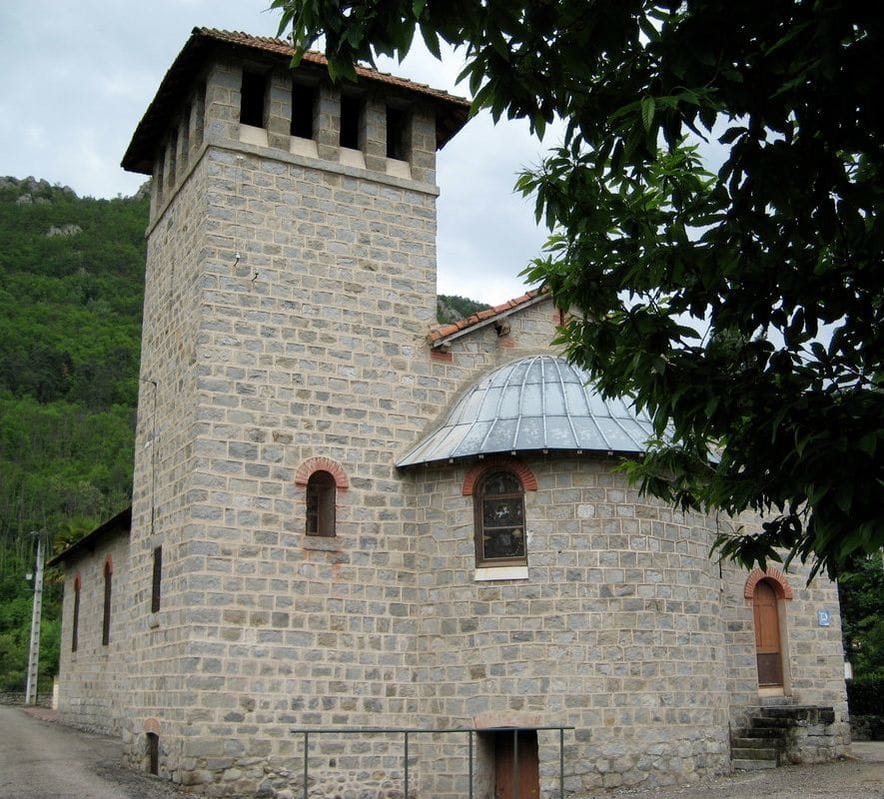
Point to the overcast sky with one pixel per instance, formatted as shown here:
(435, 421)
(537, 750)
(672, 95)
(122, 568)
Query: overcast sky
(77, 77)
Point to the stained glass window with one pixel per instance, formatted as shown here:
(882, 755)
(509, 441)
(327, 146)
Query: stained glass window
(500, 521)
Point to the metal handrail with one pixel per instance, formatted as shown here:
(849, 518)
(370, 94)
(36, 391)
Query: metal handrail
(407, 731)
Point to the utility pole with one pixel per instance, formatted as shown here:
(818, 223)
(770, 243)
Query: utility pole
(36, 616)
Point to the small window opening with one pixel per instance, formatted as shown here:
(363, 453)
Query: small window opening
(351, 120)
(153, 753)
(173, 157)
(500, 521)
(105, 622)
(160, 178)
(200, 116)
(303, 109)
(185, 134)
(321, 489)
(251, 109)
(75, 624)
(157, 578)
(397, 122)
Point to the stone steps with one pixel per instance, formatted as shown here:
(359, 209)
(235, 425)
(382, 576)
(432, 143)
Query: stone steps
(772, 722)
(740, 742)
(752, 765)
(763, 732)
(758, 753)
(765, 741)
(773, 731)
(754, 753)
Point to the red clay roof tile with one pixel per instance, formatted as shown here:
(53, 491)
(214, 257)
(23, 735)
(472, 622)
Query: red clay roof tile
(440, 332)
(281, 47)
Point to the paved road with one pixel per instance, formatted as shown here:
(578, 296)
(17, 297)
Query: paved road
(44, 760)
(40, 759)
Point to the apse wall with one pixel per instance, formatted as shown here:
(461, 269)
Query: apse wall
(616, 630)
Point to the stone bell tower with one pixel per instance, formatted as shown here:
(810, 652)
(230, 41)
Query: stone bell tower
(290, 283)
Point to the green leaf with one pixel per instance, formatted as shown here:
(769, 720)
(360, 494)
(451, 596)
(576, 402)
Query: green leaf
(431, 40)
(732, 133)
(647, 109)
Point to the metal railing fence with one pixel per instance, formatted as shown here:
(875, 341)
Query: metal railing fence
(407, 732)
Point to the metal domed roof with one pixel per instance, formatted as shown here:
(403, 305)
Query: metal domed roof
(534, 404)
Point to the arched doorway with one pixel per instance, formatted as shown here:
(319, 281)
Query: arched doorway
(768, 641)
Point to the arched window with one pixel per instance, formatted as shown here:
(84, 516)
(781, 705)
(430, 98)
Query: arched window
(500, 520)
(321, 503)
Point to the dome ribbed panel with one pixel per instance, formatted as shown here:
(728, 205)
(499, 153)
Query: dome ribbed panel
(534, 404)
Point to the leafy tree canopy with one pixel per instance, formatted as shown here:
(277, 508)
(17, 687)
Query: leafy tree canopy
(862, 611)
(742, 308)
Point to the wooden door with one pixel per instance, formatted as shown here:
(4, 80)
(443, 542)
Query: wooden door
(516, 767)
(767, 636)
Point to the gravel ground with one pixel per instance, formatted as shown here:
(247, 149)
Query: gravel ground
(41, 759)
(860, 776)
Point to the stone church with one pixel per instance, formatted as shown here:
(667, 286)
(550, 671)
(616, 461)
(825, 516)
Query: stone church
(349, 522)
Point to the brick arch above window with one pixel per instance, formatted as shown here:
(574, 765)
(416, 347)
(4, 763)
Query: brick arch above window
(322, 464)
(774, 576)
(78, 582)
(152, 725)
(521, 470)
(108, 565)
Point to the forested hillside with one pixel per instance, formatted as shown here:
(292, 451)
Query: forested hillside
(71, 285)
(451, 307)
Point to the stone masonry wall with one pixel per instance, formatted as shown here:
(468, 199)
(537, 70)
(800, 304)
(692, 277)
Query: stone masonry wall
(616, 631)
(163, 693)
(816, 652)
(93, 681)
(17, 698)
(308, 289)
(813, 659)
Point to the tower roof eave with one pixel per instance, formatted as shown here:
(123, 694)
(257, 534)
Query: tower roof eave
(451, 111)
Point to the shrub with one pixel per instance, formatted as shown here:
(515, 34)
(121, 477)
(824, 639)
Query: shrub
(865, 697)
